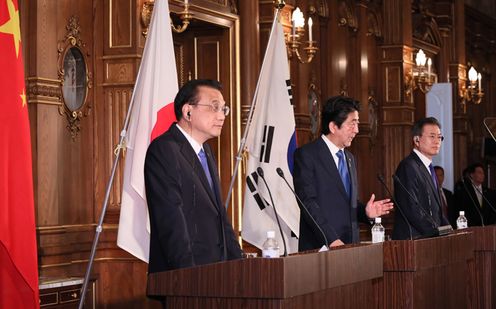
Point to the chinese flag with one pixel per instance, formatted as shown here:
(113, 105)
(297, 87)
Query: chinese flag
(18, 259)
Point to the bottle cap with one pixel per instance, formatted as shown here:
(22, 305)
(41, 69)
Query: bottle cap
(378, 220)
(462, 213)
(271, 234)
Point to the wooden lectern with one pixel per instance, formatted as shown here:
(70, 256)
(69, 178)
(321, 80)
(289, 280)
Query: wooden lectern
(348, 277)
(428, 273)
(484, 267)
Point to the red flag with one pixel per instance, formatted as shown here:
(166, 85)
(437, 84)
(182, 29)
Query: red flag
(18, 259)
(152, 114)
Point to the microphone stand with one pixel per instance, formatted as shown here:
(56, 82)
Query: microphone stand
(472, 200)
(304, 208)
(483, 196)
(381, 180)
(261, 173)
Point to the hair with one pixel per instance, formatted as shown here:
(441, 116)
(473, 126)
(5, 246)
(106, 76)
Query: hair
(418, 126)
(336, 110)
(437, 167)
(188, 94)
(472, 167)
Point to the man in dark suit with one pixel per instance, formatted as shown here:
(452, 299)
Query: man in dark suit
(416, 188)
(472, 197)
(325, 178)
(189, 225)
(447, 199)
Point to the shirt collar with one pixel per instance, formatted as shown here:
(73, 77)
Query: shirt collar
(196, 146)
(332, 148)
(426, 161)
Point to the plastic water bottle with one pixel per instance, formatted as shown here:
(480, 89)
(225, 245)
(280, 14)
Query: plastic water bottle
(270, 248)
(461, 222)
(377, 231)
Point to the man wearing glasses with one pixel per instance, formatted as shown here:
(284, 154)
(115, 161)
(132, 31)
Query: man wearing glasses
(415, 184)
(189, 225)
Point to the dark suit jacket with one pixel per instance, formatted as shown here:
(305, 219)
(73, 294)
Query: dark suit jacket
(466, 200)
(189, 225)
(452, 212)
(418, 199)
(318, 184)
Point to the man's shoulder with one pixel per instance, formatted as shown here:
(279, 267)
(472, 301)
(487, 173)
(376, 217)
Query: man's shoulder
(312, 146)
(168, 140)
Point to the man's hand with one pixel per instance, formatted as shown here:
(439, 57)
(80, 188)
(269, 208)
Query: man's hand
(336, 243)
(378, 208)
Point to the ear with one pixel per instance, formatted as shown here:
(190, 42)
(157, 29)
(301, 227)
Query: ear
(332, 127)
(186, 111)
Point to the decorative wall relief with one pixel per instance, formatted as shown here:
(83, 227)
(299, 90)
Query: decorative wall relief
(314, 109)
(373, 118)
(75, 79)
(347, 15)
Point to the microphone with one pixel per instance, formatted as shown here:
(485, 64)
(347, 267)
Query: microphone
(414, 198)
(261, 174)
(439, 230)
(381, 180)
(472, 200)
(483, 196)
(303, 207)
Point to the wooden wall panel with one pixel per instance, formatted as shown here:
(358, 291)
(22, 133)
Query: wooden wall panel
(366, 49)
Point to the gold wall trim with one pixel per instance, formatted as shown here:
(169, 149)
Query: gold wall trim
(124, 56)
(42, 90)
(73, 227)
(126, 84)
(106, 259)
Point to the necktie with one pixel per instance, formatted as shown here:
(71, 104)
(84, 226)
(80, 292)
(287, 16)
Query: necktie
(478, 192)
(433, 175)
(343, 171)
(203, 161)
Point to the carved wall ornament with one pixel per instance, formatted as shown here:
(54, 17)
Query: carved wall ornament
(343, 88)
(347, 15)
(425, 29)
(74, 76)
(320, 8)
(314, 105)
(374, 20)
(373, 118)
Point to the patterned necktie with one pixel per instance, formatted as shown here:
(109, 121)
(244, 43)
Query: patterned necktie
(433, 175)
(343, 172)
(203, 160)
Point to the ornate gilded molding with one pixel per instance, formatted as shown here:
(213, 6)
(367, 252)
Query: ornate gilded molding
(146, 15)
(43, 91)
(74, 77)
(425, 27)
(374, 20)
(373, 118)
(347, 15)
(321, 9)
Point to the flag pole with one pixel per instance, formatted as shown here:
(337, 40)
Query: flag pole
(279, 4)
(117, 153)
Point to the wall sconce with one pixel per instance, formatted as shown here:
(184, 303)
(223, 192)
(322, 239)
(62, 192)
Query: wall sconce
(185, 17)
(146, 15)
(473, 91)
(421, 76)
(295, 38)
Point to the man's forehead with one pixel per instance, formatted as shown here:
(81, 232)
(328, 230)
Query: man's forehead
(431, 128)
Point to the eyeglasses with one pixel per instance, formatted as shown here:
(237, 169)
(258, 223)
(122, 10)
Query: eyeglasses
(433, 137)
(216, 108)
